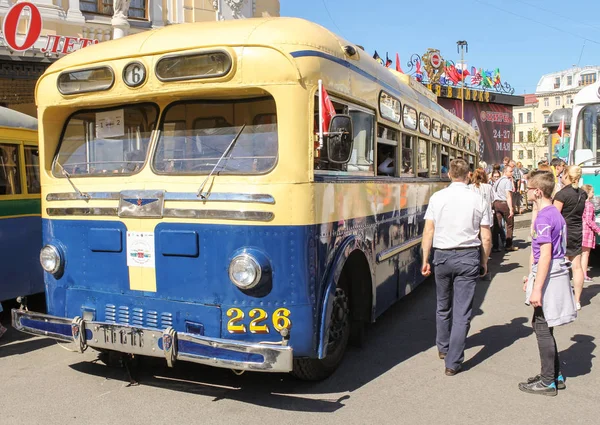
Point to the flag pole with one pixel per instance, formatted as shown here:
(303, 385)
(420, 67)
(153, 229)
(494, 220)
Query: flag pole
(320, 114)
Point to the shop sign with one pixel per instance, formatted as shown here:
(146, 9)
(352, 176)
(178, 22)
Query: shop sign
(55, 43)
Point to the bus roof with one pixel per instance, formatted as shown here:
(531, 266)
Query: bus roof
(588, 94)
(15, 119)
(296, 38)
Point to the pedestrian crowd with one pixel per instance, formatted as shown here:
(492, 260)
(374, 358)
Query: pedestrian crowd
(563, 230)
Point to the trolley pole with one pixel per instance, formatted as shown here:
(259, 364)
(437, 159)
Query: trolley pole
(461, 45)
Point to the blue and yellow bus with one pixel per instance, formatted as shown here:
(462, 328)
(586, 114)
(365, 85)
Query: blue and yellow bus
(20, 220)
(192, 212)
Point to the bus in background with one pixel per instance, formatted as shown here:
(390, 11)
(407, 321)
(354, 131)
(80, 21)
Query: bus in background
(190, 211)
(20, 221)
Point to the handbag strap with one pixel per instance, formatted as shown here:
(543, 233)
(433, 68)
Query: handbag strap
(576, 205)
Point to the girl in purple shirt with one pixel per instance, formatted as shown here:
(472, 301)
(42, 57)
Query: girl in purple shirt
(548, 288)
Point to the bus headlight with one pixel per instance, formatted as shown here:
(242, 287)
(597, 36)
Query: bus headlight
(50, 259)
(244, 271)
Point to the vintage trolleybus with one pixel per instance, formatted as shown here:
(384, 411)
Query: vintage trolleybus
(191, 212)
(20, 221)
(585, 137)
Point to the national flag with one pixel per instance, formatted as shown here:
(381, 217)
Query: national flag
(473, 71)
(388, 61)
(561, 127)
(377, 57)
(418, 73)
(398, 67)
(327, 109)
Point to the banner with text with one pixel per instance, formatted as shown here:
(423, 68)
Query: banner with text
(494, 123)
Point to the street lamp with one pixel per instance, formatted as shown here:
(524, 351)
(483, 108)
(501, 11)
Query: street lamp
(461, 45)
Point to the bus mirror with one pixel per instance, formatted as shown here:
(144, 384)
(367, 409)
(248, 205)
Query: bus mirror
(339, 139)
(583, 155)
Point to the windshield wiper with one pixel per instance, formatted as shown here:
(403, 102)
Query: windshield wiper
(229, 148)
(80, 194)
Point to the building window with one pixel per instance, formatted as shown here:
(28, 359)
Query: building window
(528, 116)
(137, 8)
(520, 118)
(557, 82)
(587, 79)
(569, 80)
(530, 136)
(520, 154)
(546, 101)
(520, 137)
(557, 100)
(569, 100)
(546, 116)
(529, 154)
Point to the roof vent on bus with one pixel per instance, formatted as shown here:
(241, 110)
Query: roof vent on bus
(350, 50)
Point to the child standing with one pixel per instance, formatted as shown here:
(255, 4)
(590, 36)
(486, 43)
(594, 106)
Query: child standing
(548, 288)
(590, 228)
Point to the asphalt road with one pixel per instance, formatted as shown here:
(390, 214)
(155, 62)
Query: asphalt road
(396, 378)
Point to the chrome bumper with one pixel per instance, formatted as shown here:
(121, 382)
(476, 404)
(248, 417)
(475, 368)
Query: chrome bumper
(167, 343)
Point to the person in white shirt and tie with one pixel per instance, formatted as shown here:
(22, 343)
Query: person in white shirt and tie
(455, 221)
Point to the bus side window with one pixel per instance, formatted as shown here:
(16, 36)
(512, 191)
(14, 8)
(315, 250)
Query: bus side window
(387, 146)
(423, 159)
(363, 124)
(407, 165)
(445, 162)
(32, 169)
(10, 181)
(435, 154)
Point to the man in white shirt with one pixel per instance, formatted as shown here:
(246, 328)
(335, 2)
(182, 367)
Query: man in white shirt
(454, 221)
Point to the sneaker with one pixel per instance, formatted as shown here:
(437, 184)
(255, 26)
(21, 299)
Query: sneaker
(578, 306)
(538, 387)
(587, 279)
(560, 381)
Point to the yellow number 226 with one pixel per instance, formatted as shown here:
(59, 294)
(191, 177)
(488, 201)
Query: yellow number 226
(258, 324)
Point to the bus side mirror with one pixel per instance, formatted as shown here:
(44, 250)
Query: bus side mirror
(339, 139)
(583, 155)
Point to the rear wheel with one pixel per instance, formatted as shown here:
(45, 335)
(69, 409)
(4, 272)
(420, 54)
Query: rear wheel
(339, 333)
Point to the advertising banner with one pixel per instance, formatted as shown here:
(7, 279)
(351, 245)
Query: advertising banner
(494, 123)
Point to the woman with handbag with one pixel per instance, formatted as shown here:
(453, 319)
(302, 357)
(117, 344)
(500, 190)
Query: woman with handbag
(570, 201)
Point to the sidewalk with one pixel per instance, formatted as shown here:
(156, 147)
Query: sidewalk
(523, 221)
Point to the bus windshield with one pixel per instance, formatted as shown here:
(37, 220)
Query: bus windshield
(195, 134)
(588, 128)
(108, 141)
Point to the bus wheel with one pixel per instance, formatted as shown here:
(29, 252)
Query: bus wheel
(339, 333)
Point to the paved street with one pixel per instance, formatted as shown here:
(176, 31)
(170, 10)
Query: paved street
(396, 378)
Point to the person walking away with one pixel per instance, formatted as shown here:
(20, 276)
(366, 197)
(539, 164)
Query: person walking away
(516, 194)
(503, 206)
(588, 231)
(570, 202)
(547, 288)
(454, 220)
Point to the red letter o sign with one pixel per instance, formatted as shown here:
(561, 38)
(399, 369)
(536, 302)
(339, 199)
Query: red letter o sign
(11, 23)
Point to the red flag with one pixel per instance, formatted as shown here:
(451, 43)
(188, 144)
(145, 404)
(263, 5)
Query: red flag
(398, 67)
(561, 127)
(327, 109)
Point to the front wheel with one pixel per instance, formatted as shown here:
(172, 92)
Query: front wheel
(339, 333)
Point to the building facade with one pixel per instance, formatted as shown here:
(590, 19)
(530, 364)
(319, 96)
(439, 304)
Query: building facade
(34, 37)
(534, 123)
